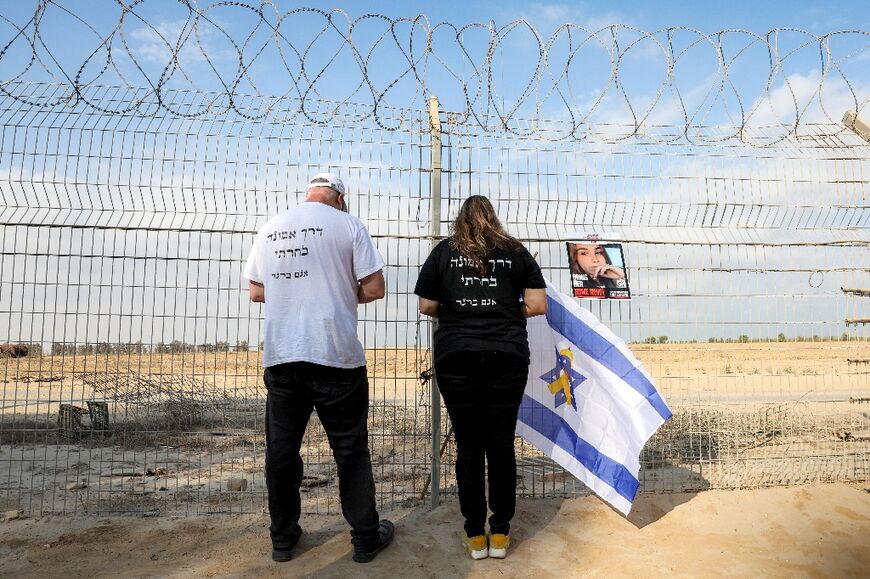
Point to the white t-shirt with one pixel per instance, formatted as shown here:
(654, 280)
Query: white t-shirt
(309, 260)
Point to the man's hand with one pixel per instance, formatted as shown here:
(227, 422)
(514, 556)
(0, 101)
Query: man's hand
(258, 292)
(372, 287)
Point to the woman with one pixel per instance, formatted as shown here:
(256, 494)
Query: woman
(592, 260)
(473, 282)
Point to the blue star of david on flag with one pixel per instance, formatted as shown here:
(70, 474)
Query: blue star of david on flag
(563, 379)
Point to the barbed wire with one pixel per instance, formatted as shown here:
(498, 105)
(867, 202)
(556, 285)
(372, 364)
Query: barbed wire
(232, 56)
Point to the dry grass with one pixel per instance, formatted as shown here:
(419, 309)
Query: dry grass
(767, 358)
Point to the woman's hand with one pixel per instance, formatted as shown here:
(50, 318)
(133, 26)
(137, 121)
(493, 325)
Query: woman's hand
(607, 271)
(429, 307)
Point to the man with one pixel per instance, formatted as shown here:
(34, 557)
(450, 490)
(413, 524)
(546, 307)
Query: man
(311, 266)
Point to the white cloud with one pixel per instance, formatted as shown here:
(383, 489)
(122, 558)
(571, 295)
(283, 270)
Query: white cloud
(809, 98)
(157, 43)
(553, 15)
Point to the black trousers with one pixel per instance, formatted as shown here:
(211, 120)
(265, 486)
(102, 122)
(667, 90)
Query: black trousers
(341, 398)
(482, 392)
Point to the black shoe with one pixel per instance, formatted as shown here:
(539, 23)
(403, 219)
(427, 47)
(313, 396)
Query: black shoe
(282, 555)
(386, 530)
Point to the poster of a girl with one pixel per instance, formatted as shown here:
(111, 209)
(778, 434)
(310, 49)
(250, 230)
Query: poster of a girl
(593, 260)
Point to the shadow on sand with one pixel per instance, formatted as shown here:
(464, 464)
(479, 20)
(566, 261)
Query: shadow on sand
(651, 503)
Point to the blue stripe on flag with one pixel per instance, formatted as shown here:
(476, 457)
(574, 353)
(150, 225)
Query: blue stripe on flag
(602, 350)
(554, 428)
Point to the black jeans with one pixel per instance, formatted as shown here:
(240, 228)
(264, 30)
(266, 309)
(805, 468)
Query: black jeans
(482, 392)
(341, 397)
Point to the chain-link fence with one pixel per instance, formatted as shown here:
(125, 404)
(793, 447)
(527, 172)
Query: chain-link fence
(739, 259)
(130, 361)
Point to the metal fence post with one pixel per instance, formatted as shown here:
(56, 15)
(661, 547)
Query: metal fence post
(435, 190)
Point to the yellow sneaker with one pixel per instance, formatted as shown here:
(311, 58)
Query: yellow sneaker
(498, 545)
(475, 546)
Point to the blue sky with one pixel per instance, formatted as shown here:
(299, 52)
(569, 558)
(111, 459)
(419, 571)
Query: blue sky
(817, 17)
(66, 43)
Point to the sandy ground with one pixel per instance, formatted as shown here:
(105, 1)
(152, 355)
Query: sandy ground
(805, 531)
(748, 415)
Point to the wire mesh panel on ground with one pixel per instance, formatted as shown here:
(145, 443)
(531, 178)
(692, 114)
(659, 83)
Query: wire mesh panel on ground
(131, 381)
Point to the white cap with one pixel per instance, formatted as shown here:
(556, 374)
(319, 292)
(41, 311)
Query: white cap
(327, 180)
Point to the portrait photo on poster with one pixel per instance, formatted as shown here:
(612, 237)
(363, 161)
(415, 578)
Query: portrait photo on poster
(597, 270)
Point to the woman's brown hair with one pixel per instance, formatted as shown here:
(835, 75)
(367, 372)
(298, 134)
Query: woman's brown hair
(476, 232)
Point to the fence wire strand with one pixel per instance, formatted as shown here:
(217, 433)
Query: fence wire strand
(130, 352)
(330, 60)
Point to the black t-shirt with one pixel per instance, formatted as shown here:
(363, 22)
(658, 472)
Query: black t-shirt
(479, 313)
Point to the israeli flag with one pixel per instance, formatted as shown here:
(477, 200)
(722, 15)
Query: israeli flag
(589, 404)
